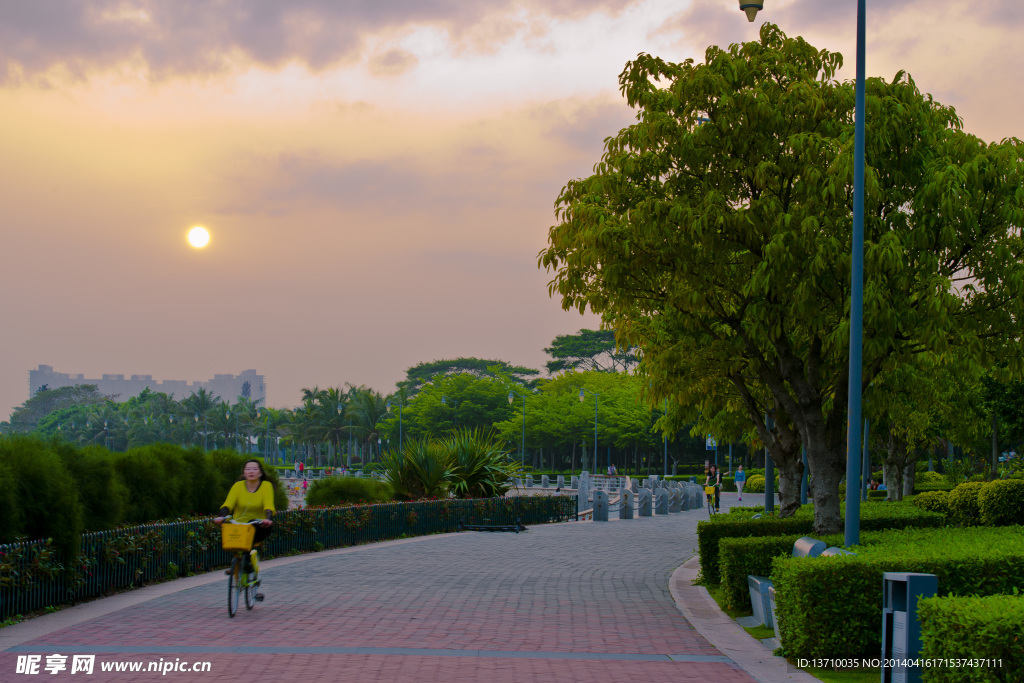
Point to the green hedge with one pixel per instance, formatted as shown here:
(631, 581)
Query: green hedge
(963, 504)
(1001, 502)
(974, 628)
(54, 489)
(935, 501)
(347, 491)
(873, 518)
(741, 557)
(831, 607)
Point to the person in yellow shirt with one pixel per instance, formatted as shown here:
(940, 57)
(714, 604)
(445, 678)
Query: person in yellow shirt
(249, 500)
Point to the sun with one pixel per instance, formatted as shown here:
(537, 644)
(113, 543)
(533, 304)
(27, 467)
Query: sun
(198, 237)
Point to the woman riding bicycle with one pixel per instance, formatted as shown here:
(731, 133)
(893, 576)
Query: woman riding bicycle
(714, 478)
(249, 500)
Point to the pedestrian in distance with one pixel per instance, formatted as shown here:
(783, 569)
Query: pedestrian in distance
(741, 479)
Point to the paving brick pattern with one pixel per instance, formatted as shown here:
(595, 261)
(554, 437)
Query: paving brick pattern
(536, 606)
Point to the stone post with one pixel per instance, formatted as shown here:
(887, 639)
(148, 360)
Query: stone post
(661, 502)
(645, 502)
(626, 507)
(600, 506)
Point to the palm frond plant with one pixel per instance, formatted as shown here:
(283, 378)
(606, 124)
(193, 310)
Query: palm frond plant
(420, 470)
(480, 465)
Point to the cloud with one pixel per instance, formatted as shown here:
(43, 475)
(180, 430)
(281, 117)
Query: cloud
(208, 36)
(392, 63)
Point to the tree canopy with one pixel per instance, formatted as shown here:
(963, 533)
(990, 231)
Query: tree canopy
(715, 233)
(422, 373)
(589, 350)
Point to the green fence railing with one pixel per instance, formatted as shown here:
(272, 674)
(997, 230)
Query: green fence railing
(34, 575)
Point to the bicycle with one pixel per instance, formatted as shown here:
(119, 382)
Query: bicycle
(244, 572)
(709, 492)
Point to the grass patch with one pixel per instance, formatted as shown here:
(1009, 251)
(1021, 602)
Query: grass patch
(760, 632)
(718, 594)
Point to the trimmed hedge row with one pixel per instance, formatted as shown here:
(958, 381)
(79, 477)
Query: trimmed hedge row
(873, 518)
(831, 607)
(995, 503)
(53, 489)
(987, 628)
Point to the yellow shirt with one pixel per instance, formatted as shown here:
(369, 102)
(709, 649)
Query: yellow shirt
(245, 506)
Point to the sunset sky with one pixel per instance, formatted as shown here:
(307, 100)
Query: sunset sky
(377, 177)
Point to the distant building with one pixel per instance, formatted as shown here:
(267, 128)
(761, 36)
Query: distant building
(228, 387)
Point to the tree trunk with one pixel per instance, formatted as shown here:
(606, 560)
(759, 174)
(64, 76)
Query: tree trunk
(892, 469)
(826, 472)
(909, 477)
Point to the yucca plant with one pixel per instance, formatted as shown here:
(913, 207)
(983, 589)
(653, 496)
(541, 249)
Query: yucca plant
(481, 467)
(422, 469)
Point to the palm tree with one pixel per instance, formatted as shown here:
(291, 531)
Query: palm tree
(201, 406)
(366, 409)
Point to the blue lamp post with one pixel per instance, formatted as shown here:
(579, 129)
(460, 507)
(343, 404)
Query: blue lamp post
(388, 406)
(511, 397)
(853, 421)
(596, 396)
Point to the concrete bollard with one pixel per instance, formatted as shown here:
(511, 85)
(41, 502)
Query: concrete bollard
(600, 506)
(661, 502)
(575, 482)
(543, 481)
(684, 499)
(674, 498)
(645, 502)
(560, 481)
(626, 505)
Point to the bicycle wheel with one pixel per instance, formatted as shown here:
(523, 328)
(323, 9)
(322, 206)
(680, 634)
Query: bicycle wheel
(252, 582)
(234, 585)
(711, 505)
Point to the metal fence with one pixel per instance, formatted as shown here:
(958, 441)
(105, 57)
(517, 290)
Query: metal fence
(34, 575)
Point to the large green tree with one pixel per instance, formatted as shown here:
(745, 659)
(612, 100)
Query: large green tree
(589, 350)
(715, 236)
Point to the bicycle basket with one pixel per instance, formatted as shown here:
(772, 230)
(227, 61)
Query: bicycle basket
(709, 490)
(237, 536)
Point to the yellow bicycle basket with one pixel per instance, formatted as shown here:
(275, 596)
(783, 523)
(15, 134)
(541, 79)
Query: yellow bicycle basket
(237, 536)
(709, 490)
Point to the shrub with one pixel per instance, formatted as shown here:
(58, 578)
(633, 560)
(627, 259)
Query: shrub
(347, 490)
(831, 606)
(101, 492)
(9, 512)
(755, 484)
(873, 518)
(480, 466)
(44, 493)
(935, 501)
(963, 504)
(421, 469)
(1001, 502)
(741, 557)
(929, 478)
(973, 628)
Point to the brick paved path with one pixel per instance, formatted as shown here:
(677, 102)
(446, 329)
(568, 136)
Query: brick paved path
(561, 602)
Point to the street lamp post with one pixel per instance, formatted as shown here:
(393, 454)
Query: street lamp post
(853, 420)
(511, 397)
(388, 406)
(455, 408)
(664, 437)
(596, 396)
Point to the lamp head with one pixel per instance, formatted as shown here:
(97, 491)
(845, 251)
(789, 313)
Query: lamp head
(751, 8)
(510, 398)
(581, 394)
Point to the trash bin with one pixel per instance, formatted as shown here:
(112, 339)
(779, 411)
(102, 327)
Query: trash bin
(901, 629)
